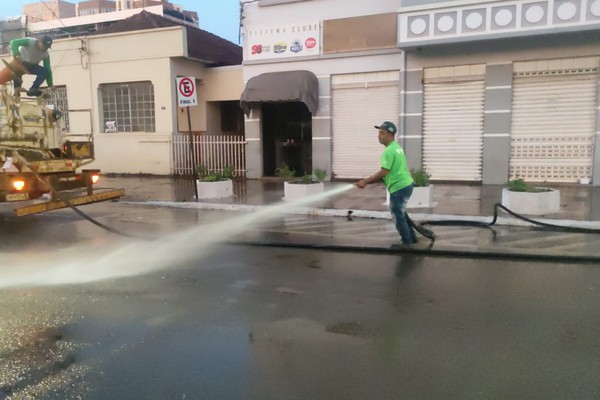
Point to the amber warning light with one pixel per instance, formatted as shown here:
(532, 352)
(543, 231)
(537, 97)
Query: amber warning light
(18, 184)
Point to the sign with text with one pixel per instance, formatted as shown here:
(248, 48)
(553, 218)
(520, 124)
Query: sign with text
(186, 91)
(283, 41)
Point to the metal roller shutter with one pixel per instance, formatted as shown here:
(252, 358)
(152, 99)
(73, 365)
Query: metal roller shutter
(453, 129)
(553, 125)
(359, 102)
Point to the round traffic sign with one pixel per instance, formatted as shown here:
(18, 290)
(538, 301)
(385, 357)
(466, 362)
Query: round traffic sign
(187, 87)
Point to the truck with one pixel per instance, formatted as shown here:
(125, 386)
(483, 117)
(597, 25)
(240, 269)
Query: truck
(42, 166)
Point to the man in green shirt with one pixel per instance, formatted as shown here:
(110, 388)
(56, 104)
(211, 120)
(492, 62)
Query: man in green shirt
(30, 51)
(396, 177)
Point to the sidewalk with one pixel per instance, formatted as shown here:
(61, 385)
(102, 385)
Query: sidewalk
(578, 202)
(580, 206)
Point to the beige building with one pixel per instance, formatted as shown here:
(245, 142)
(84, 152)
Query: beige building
(49, 10)
(120, 85)
(92, 7)
(189, 16)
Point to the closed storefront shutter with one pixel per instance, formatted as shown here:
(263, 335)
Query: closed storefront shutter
(453, 129)
(360, 101)
(553, 121)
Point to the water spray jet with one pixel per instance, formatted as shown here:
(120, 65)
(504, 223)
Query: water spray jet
(137, 257)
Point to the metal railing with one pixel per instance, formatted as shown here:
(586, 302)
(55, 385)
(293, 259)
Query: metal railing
(214, 152)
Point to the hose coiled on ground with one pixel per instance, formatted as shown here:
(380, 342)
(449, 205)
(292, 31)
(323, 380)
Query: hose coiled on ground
(420, 227)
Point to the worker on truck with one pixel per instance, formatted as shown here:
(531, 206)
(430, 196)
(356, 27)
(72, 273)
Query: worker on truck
(29, 52)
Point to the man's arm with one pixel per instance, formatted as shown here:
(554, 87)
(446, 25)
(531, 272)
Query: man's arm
(16, 43)
(376, 177)
(49, 80)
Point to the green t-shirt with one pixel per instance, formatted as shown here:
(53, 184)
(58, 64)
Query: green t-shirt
(394, 160)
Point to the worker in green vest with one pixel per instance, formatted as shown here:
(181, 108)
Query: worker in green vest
(30, 52)
(397, 178)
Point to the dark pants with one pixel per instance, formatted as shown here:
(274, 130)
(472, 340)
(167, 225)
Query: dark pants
(40, 75)
(398, 202)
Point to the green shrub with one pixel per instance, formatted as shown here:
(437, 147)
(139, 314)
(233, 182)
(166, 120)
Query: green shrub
(228, 171)
(206, 176)
(307, 178)
(519, 185)
(320, 174)
(285, 172)
(421, 177)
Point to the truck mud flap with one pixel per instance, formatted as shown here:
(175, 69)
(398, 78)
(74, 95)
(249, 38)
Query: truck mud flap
(75, 201)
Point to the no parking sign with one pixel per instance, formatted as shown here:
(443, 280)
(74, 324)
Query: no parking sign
(186, 91)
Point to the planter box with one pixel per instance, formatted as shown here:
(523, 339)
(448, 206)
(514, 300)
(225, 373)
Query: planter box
(296, 190)
(422, 197)
(531, 203)
(214, 190)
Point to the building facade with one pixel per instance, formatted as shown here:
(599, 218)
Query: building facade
(120, 86)
(482, 91)
(93, 21)
(519, 80)
(175, 10)
(348, 50)
(48, 10)
(92, 7)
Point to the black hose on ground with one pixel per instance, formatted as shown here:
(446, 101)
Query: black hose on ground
(488, 225)
(428, 233)
(81, 213)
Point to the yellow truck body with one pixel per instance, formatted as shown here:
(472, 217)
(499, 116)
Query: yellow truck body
(37, 159)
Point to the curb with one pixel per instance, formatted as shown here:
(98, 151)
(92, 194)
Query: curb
(330, 212)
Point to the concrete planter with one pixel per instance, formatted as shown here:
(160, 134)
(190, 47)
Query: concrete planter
(214, 190)
(530, 203)
(296, 190)
(422, 197)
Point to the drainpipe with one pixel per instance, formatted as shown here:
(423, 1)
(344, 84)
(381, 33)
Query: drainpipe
(242, 4)
(403, 100)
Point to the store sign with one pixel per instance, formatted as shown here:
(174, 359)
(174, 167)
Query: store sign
(283, 41)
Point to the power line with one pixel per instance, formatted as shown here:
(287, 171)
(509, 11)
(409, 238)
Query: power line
(59, 19)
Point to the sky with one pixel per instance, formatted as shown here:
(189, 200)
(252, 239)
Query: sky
(220, 17)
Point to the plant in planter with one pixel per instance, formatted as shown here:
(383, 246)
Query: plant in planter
(285, 172)
(421, 177)
(523, 198)
(320, 174)
(307, 185)
(422, 196)
(214, 185)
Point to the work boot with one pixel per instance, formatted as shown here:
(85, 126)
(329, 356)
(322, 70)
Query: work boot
(402, 246)
(34, 92)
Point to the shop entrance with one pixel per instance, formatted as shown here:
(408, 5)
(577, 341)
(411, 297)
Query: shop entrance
(287, 137)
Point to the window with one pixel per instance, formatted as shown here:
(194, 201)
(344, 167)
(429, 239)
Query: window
(232, 117)
(129, 107)
(58, 99)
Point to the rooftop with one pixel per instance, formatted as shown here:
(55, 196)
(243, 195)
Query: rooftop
(204, 46)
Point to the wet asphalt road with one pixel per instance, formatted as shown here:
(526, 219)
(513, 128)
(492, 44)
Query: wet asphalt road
(236, 322)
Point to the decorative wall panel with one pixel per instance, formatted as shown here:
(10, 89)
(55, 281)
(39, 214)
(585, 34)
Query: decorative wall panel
(422, 25)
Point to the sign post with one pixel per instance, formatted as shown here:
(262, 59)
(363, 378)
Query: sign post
(187, 97)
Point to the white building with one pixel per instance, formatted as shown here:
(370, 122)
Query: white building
(482, 91)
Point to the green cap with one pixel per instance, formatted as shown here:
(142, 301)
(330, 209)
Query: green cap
(388, 126)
